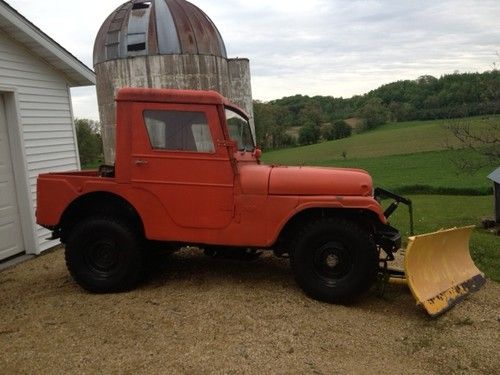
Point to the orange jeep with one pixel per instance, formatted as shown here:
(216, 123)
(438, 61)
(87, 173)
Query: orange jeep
(187, 172)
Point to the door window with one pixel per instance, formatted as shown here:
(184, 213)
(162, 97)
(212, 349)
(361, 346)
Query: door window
(179, 131)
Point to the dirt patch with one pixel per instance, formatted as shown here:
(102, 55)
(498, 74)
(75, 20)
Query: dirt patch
(199, 315)
(354, 122)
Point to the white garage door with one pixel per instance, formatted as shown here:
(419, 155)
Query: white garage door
(11, 241)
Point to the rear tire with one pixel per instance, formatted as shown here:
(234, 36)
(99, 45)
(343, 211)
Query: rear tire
(334, 260)
(104, 255)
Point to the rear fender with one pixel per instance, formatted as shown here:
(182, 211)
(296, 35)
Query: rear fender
(150, 211)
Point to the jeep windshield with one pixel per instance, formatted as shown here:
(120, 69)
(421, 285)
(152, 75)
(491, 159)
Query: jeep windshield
(239, 130)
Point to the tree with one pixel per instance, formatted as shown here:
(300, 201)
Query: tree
(309, 134)
(374, 113)
(89, 139)
(312, 112)
(400, 111)
(484, 141)
(271, 127)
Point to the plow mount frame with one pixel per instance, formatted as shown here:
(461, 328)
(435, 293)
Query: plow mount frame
(382, 193)
(388, 238)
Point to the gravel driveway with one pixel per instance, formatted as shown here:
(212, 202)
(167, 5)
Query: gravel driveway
(201, 315)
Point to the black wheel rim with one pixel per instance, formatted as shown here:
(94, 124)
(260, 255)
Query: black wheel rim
(332, 261)
(102, 257)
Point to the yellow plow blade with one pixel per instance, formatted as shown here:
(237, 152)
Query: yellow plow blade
(439, 269)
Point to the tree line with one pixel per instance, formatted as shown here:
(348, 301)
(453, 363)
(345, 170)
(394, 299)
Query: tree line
(88, 134)
(455, 95)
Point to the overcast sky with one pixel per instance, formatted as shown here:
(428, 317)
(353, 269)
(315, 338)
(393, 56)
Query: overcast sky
(313, 47)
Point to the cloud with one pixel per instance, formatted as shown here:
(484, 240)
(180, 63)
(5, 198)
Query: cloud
(346, 48)
(315, 47)
(84, 101)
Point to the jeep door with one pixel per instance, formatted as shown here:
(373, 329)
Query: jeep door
(178, 154)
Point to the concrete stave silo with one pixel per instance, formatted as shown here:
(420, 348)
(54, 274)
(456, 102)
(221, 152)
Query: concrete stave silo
(163, 44)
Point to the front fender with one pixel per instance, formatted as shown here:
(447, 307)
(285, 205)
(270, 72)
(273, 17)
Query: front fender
(366, 204)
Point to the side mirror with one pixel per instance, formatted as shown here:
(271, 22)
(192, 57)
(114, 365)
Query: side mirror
(257, 153)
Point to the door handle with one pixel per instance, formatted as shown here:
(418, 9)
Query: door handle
(141, 162)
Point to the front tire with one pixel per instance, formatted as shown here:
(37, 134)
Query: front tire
(334, 260)
(104, 255)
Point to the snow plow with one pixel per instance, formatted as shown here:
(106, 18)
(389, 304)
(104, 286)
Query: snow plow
(440, 271)
(438, 267)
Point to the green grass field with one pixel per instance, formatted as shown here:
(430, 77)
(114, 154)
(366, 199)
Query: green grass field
(391, 139)
(434, 212)
(413, 158)
(427, 172)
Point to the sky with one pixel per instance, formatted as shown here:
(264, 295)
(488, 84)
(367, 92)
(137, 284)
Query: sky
(313, 47)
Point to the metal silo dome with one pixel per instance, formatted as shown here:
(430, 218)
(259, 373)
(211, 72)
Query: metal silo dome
(157, 27)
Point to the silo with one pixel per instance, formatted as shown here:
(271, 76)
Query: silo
(163, 44)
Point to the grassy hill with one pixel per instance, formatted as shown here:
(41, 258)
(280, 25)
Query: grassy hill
(412, 158)
(391, 139)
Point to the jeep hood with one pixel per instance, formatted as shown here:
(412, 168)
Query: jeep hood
(319, 181)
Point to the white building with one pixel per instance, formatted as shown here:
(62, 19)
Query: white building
(36, 125)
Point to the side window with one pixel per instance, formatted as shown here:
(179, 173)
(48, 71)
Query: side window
(179, 131)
